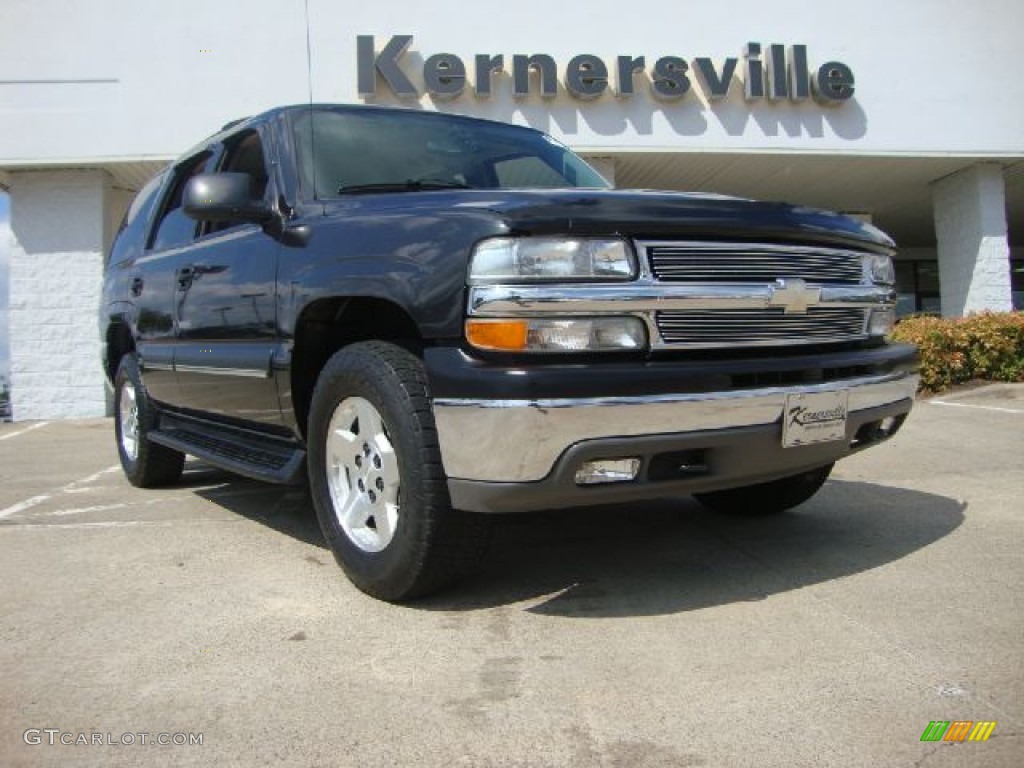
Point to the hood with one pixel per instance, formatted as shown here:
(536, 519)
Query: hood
(636, 214)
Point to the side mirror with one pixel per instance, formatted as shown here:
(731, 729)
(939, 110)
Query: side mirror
(223, 197)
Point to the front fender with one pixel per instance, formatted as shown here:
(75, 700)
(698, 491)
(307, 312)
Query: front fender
(413, 258)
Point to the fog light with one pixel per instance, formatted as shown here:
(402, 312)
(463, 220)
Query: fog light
(607, 471)
(881, 322)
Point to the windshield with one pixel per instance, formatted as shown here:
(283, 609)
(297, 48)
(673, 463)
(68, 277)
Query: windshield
(353, 151)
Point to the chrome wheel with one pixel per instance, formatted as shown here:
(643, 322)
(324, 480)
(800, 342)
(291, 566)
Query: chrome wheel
(362, 474)
(128, 410)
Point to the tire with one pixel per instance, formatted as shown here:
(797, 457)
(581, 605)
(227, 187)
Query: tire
(769, 498)
(145, 464)
(376, 478)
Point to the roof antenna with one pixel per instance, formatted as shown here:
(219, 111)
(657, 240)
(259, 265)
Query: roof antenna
(309, 78)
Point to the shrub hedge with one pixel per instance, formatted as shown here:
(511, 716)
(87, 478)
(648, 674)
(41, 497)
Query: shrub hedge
(988, 346)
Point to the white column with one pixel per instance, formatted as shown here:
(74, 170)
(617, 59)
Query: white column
(970, 229)
(60, 227)
(605, 166)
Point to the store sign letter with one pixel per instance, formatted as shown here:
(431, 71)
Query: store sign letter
(774, 72)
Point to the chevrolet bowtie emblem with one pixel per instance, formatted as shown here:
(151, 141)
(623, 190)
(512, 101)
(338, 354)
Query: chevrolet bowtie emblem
(793, 296)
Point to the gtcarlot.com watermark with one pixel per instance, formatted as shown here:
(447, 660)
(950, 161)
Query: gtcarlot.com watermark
(54, 736)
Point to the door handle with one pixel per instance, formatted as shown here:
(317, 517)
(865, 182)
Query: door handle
(185, 276)
(137, 285)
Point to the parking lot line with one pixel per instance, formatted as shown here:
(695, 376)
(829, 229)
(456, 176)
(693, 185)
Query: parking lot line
(29, 428)
(71, 487)
(21, 506)
(979, 407)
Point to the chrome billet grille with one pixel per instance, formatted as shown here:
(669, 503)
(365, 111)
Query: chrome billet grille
(760, 327)
(708, 262)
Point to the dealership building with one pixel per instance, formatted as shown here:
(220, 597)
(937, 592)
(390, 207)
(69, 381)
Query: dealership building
(910, 115)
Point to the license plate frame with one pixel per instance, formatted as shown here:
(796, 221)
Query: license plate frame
(815, 417)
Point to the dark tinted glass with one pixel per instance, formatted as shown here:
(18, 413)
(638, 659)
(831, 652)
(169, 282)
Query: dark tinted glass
(349, 149)
(132, 234)
(1017, 282)
(245, 155)
(175, 228)
(928, 276)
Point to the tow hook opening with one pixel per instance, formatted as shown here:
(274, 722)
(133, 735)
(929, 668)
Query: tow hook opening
(678, 465)
(875, 431)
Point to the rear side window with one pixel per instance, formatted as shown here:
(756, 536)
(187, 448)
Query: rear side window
(129, 239)
(174, 228)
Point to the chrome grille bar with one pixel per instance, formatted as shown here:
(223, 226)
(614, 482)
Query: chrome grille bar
(760, 327)
(695, 262)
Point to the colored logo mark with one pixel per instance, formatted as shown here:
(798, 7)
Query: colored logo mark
(958, 730)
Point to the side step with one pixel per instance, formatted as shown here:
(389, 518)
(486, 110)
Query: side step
(242, 451)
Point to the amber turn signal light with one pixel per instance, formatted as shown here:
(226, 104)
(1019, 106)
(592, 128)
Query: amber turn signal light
(509, 335)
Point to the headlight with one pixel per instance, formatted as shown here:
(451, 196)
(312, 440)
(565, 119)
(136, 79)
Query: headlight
(880, 269)
(543, 334)
(529, 259)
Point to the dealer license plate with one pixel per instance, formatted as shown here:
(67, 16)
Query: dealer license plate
(814, 417)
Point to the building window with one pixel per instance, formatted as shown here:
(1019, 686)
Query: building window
(1017, 282)
(917, 287)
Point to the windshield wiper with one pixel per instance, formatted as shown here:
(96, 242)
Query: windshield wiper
(411, 185)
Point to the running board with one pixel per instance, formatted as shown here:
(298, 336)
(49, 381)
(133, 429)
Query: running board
(241, 451)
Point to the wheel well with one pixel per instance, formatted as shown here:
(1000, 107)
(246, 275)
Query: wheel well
(327, 325)
(119, 343)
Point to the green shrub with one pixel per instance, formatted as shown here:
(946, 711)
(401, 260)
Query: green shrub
(988, 346)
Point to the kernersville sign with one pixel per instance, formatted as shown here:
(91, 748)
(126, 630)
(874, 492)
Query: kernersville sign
(773, 72)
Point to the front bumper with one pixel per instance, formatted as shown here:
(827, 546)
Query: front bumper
(519, 453)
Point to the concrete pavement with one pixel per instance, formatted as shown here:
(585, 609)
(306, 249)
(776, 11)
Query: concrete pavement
(654, 635)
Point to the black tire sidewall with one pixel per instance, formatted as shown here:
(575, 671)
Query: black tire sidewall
(361, 370)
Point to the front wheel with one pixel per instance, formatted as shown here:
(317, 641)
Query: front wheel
(376, 478)
(769, 498)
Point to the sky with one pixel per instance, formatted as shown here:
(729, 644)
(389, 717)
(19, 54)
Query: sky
(5, 259)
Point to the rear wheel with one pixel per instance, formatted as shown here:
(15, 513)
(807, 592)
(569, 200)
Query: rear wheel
(145, 464)
(379, 489)
(769, 498)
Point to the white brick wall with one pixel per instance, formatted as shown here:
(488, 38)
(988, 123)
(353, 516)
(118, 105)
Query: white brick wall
(970, 228)
(59, 224)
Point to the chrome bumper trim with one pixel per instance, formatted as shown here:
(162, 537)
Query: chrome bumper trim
(647, 295)
(652, 301)
(520, 440)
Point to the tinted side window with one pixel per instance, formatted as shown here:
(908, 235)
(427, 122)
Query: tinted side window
(245, 155)
(174, 227)
(530, 172)
(130, 237)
